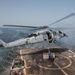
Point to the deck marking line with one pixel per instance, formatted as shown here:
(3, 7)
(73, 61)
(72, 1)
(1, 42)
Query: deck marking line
(70, 62)
(60, 68)
(71, 51)
(24, 63)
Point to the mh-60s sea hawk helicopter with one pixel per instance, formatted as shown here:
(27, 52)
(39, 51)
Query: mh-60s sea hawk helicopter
(44, 34)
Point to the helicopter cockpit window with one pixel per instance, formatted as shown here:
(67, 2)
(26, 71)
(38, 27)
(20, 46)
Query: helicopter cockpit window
(32, 35)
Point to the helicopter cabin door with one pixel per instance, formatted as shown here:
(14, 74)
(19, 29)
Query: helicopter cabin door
(49, 35)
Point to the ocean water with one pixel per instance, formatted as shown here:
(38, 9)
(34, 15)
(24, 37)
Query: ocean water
(11, 34)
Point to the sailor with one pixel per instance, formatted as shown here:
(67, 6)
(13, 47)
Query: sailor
(51, 56)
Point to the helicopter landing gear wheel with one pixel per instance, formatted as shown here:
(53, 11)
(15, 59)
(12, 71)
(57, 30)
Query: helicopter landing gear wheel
(50, 41)
(54, 41)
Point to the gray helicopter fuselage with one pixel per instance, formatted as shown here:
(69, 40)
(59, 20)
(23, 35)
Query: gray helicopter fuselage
(38, 36)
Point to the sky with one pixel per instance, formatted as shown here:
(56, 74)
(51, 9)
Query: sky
(36, 12)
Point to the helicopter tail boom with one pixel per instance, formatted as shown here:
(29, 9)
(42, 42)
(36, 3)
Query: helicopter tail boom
(2, 43)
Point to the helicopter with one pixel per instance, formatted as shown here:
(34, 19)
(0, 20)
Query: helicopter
(43, 33)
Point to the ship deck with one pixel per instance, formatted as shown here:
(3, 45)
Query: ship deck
(34, 64)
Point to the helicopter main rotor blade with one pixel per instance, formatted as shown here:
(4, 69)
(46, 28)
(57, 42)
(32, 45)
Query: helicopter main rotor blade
(72, 14)
(21, 26)
(43, 27)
